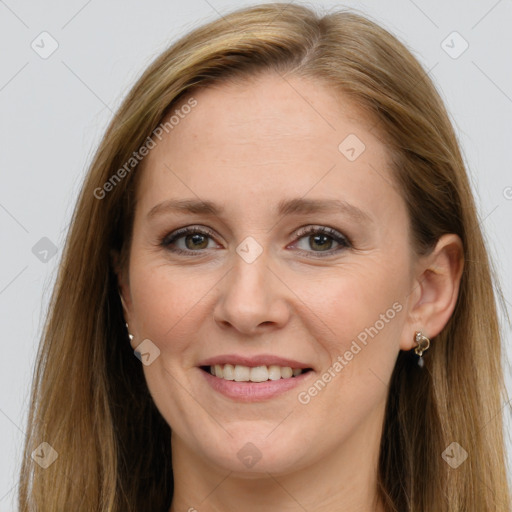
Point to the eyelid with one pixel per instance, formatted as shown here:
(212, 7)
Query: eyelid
(187, 230)
(319, 228)
(342, 240)
(299, 233)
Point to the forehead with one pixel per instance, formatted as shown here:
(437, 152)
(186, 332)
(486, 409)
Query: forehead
(267, 137)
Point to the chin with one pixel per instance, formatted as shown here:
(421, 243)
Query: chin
(257, 453)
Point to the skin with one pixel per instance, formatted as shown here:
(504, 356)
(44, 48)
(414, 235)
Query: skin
(246, 146)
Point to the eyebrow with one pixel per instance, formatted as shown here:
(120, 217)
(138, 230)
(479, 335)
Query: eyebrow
(298, 206)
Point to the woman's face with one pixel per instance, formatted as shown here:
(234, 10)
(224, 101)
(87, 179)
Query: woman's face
(299, 258)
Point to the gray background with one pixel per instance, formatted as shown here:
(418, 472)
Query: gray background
(55, 110)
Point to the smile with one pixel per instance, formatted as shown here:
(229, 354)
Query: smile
(241, 373)
(253, 384)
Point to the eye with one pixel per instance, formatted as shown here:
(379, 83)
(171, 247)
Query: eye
(312, 239)
(188, 240)
(321, 239)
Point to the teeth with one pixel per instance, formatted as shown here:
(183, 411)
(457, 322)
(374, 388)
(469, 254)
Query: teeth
(286, 372)
(228, 371)
(259, 374)
(242, 373)
(274, 372)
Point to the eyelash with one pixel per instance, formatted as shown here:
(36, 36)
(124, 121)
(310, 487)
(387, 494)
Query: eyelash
(342, 240)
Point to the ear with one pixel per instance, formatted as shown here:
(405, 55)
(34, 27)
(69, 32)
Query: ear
(123, 284)
(435, 290)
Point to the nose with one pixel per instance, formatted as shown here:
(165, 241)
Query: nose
(252, 298)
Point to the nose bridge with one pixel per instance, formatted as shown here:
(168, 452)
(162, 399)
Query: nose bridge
(250, 268)
(250, 295)
(249, 288)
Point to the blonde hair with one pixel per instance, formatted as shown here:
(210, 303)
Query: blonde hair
(89, 398)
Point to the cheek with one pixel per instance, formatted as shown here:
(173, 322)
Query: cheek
(166, 303)
(360, 311)
(356, 299)
(362, 314)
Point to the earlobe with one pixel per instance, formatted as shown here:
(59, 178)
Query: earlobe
(437, 289)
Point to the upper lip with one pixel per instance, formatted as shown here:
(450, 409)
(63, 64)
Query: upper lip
(258, 360)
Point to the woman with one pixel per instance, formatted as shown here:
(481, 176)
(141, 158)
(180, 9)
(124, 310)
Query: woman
(279, 225)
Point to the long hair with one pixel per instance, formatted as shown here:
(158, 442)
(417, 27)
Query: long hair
(89, 399)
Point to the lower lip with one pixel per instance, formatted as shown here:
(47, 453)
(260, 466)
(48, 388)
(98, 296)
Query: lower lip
(253, 391)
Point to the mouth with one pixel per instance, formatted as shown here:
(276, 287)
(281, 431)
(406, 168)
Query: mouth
(255, 374)
(254, 378)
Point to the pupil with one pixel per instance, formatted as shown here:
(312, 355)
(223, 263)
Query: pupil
(196, 239)
(321, 240)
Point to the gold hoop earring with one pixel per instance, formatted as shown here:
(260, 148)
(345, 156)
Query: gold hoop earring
(423, 344)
